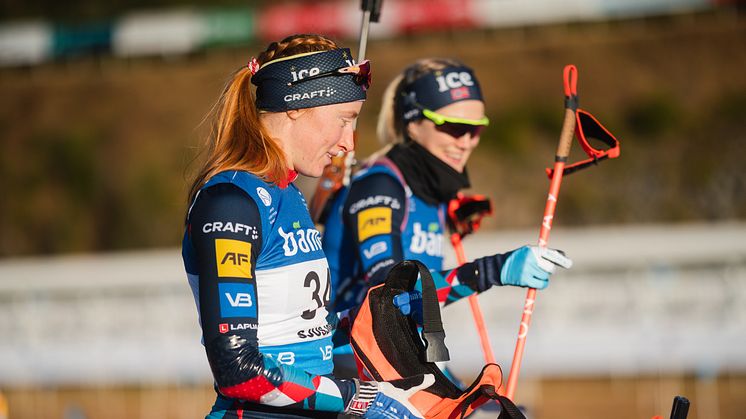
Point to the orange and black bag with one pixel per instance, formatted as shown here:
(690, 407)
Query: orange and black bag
(387, 346)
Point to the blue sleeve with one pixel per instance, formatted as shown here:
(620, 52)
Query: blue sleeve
(373, 213)
(224, 226)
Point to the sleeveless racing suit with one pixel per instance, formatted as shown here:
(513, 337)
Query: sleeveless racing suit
(377, 222)
(261, 283)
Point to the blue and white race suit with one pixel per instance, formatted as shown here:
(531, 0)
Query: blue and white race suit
(261, 283)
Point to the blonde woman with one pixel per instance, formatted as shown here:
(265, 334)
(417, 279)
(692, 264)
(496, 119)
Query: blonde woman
(431, 119)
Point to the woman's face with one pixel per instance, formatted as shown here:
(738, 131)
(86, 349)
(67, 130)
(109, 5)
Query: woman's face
(319, 134)
(454, 151)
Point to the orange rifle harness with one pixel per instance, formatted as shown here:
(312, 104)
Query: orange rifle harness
(387, 346)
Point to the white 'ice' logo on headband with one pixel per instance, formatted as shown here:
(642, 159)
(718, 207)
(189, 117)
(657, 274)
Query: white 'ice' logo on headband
(454, 80)
(299, 75)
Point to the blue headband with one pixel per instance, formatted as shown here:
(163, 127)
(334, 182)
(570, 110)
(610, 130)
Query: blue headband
(438, 89)
(277, 91)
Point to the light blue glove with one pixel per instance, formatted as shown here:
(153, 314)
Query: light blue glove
(388, 399)
(531, 266)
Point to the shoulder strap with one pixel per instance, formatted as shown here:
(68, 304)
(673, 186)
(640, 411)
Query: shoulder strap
(404, 276)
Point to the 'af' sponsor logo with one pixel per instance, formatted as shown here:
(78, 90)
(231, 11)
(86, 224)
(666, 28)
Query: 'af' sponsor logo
(428, 242)
(233, 258)
(237, 299)
(305, 240)
(218, 226)
(315, 332)
(375, 201)
(264, 196)
(373, 221)
(232, 327)
(454, 80)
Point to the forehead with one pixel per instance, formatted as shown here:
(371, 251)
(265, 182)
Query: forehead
(348, 109)
(467, 109)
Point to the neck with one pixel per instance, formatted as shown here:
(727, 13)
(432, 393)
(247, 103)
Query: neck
(430, 178)
(279, 128)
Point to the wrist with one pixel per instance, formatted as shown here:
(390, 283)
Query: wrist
(483, 273)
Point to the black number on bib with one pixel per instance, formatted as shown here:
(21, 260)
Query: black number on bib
(313, 281)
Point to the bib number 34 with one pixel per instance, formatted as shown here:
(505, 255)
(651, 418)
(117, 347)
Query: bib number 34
(321, 298)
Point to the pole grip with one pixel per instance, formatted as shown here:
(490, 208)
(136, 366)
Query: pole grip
(570, 81)
(566, 136)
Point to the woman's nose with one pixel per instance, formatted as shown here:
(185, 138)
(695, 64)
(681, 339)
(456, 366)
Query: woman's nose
(347, 142)
(464, 141)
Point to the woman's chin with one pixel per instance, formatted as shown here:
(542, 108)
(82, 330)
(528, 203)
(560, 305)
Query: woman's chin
(312, 172)
(456, 165)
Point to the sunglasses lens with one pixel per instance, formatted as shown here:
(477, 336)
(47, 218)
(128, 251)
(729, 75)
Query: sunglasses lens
(459, 130)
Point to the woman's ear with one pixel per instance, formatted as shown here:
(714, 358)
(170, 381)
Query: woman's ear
(294, 114)
(414, 130)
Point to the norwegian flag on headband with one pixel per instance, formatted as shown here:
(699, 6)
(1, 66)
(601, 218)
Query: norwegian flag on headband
(460, 93)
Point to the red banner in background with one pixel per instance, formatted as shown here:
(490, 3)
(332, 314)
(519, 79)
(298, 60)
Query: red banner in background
(327, 18)
(417, 15)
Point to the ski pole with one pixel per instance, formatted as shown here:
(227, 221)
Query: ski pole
(570, 76)
(458, 247)
(476, 310)
(337, 173)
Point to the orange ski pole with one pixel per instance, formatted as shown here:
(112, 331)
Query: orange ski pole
(570, 76)
(476, 310)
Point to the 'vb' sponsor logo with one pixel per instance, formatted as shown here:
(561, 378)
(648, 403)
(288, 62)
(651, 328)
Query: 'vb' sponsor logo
(237, 299)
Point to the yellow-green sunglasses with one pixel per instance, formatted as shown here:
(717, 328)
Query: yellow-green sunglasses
(456, 127)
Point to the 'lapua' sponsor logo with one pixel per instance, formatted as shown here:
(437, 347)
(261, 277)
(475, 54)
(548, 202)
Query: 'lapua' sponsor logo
(232, 327)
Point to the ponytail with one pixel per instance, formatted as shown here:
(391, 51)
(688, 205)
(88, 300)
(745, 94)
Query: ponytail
(238, 140)
(386, 128)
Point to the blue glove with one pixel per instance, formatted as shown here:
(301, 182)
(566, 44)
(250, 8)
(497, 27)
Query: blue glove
(410, 303)
(388, 399)
(531, 266)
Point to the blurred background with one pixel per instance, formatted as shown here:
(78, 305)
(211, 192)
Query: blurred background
(102, 118)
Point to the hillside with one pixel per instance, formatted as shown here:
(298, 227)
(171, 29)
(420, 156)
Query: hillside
(95, 155)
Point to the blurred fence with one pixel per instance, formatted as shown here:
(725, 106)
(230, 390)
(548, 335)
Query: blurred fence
(184, 31)
(640, 300)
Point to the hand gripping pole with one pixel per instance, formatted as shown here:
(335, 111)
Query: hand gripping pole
(570, 76)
